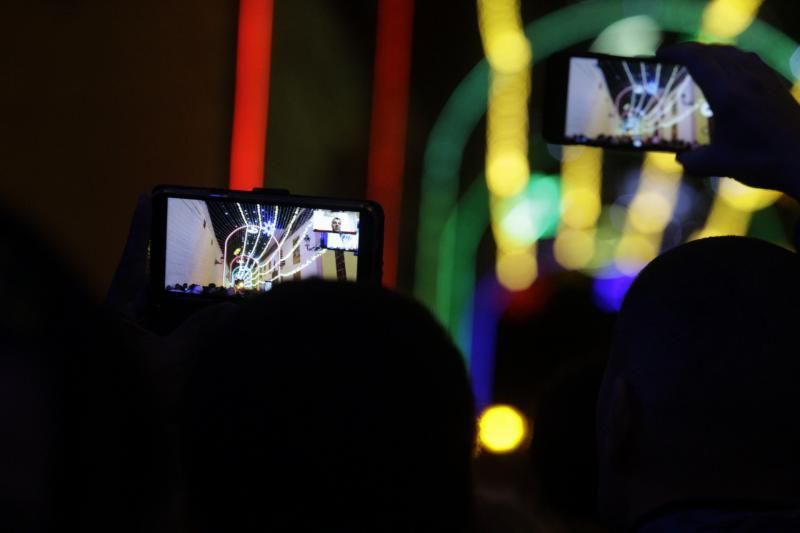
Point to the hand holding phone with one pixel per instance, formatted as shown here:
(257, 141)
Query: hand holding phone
(757, 121)
(625, 103)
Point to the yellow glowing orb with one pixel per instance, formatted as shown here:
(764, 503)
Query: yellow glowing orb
(507, 174)
(580, 208)
(517, 269)
(574, 248)
(502, 429)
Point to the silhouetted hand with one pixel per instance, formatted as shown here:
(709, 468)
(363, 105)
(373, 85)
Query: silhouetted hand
(756, 133)
(128, 294)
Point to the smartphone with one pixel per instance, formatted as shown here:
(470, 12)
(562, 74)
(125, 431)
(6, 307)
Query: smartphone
(211, 244)
(624, 102)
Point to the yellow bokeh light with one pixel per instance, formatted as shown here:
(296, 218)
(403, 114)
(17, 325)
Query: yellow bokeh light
(633, 253)
(724, 219)
(507, 168)
(502, 429)
(508, 51)
(517, 269)
(726, 19)
(650, 212)
(796, 90)
(574, 248)
(746, 198)
(664, 162)
(580, 207)
(507, 174)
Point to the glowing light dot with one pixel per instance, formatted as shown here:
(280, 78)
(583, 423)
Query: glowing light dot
(574, 248)
(507, 174)
(502, 429)
(517, 270)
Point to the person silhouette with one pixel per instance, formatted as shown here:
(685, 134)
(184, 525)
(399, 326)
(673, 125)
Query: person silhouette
(295, 421)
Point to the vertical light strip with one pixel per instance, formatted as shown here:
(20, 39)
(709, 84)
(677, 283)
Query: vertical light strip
(581, 182)
(389, 120)
(507, 168)
(251, 99)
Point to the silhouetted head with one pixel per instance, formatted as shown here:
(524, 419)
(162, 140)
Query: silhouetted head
(73, 437)
(698, 405)
(297, 421)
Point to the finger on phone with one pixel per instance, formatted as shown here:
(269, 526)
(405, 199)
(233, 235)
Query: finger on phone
(705, 161)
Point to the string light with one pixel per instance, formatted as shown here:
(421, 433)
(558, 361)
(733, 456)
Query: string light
(295, 247)
(507, 169)
(313, 258)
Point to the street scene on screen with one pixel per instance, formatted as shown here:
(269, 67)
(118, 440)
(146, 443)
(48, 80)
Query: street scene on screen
(635, 103)
(228, 247)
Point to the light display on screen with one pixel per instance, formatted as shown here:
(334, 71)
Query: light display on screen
(224, 247)
(635, 103)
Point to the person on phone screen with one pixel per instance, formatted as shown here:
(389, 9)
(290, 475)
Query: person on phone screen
(341, 241)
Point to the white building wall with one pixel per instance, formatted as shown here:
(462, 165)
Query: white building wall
(590, 109)
(192, 247)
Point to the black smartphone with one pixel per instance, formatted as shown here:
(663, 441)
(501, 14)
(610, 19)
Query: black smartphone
(629, 103)
(211, 244)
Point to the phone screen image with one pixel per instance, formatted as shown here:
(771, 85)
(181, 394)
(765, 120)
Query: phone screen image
(635, 103)
(228, 247)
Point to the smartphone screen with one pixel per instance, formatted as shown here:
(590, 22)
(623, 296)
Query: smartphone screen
(226, 246)
(634, 103)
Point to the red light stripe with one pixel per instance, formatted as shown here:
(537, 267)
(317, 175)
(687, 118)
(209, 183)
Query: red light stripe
(251, 100)
(389, 121)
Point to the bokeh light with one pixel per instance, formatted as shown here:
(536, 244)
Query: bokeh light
(633, 252)
(723, 20)
(506, 47)
(517, 269)
(574, 248)
(502, 429)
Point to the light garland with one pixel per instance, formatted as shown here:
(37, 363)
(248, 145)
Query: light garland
(301, 267)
